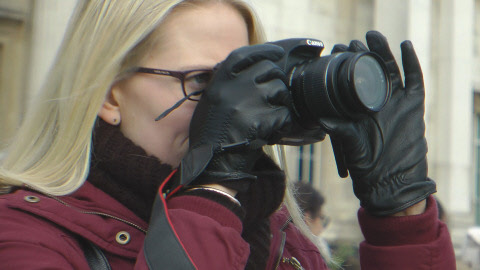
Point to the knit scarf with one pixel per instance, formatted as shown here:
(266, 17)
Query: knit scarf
(124, 170)
(131, 176)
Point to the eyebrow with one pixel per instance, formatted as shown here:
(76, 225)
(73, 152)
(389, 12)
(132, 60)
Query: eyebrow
(192, 67)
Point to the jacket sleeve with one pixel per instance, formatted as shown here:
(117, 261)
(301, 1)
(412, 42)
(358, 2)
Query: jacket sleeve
(192, 232)
(411, 242)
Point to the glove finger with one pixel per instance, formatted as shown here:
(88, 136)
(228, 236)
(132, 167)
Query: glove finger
(338, 128)
(278, 117)
(411, 67)
(379, 44)
(277, 93)
(271, 81)
(357, 46)
(362, 142)
(281, 122)
(298, 135)
(270, 73)
(339, 48)
(244, 57)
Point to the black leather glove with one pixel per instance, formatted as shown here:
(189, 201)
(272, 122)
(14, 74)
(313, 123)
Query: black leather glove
(246, 106)
(385, 152)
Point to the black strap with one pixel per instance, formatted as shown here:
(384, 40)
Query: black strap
(95, 257)
(162, 248)
(279, 254)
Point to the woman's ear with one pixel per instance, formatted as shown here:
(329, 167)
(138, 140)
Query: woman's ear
(110, 111)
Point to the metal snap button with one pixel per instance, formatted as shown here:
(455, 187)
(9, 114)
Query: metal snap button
(31, 199)
(122, 237)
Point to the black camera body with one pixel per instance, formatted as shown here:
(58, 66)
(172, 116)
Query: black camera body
(345, 85)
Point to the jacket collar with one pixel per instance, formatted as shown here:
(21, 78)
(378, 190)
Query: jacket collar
(88, 212)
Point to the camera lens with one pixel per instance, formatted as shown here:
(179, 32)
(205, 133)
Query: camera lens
(369, 83)
(347, 85)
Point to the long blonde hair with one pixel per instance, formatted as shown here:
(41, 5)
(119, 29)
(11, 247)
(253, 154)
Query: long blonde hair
(51, 151)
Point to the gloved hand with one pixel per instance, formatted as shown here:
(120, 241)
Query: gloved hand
(385, 152)
(245, 107)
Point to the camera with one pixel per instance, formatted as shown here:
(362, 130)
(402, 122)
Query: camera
(345, 85)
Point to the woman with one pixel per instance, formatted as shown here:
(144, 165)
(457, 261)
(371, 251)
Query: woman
(88, 161)
(311, 203)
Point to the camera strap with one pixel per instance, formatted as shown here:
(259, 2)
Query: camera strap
(95, 257)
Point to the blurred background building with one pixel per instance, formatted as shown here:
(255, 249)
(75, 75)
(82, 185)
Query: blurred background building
(445, 33)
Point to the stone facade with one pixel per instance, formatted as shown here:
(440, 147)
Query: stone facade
(446, 39)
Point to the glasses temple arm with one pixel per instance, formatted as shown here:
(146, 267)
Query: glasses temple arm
(176, 105)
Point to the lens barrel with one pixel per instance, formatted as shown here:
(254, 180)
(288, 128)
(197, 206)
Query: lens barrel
(347, 85)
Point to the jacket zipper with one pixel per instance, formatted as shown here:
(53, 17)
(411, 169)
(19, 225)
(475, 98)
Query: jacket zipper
(90, 212)
(292, 261)
(113, 217)
(280, 250)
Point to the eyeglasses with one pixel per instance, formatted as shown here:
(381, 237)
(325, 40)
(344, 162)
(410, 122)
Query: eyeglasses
(193, 81)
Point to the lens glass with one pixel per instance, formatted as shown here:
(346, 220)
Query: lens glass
(370, 82)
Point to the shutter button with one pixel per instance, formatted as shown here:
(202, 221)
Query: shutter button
(31, 199)
(122, 237)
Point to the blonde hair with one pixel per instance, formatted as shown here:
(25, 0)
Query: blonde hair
(51, 151)
(277, 153)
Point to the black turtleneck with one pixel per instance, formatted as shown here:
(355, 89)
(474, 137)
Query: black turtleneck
(124, 170)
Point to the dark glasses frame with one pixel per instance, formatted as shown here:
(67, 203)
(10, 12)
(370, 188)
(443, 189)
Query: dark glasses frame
(181, 75)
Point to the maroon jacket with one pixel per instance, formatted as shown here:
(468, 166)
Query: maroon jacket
(40, 232)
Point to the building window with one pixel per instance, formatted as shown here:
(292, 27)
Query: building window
(306, 162)
(476, 143)
(476, 163)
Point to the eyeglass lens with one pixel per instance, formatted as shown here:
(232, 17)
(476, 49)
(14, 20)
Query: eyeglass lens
(196, 81)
